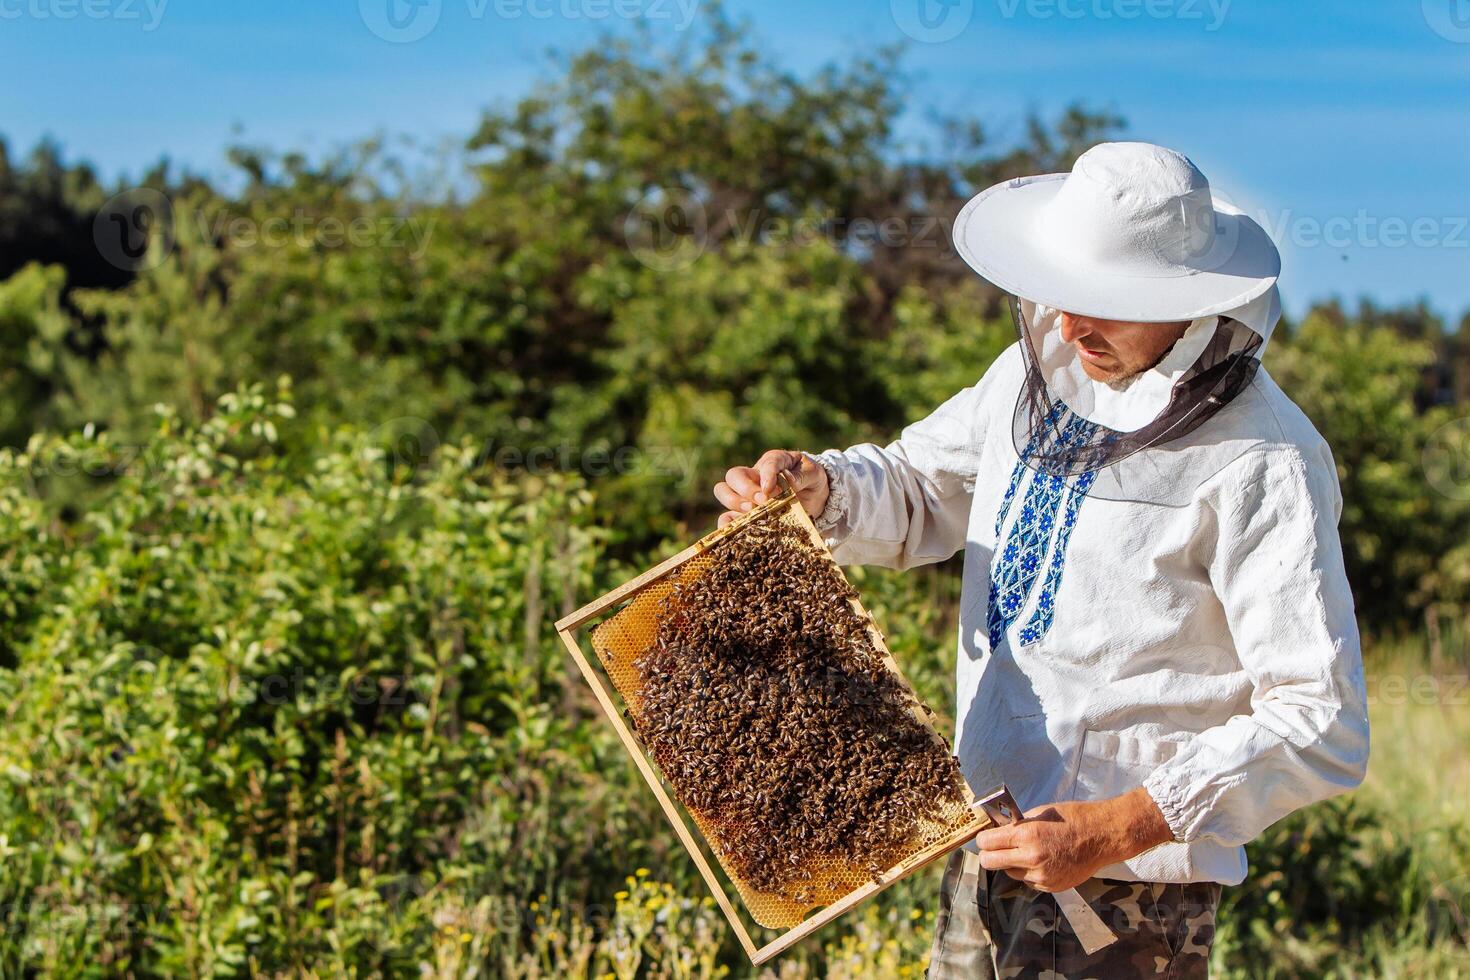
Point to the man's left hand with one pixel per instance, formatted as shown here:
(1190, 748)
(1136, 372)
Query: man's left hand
(1061, 845)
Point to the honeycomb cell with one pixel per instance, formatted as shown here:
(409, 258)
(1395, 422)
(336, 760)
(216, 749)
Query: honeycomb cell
(760, 687)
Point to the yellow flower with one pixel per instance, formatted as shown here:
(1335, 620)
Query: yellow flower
(620, 896)
(916, 913)
(641, 872)
(464, 937)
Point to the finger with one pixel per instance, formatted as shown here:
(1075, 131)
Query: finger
(996, 838)
(1009, 857)
(744, 480)
(727, 517)
(1046, 882)
(727, 496)
(773, 462)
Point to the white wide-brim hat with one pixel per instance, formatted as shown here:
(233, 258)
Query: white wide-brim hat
(1132, 233)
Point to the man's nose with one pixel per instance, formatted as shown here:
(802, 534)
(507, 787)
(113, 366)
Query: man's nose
(1074, 327)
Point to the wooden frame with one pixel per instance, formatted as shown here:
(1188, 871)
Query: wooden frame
(567, 628)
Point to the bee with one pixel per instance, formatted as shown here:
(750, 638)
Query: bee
(780, 725)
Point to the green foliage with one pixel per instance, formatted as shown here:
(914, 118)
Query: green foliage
(1358, 383)
(46, 210)
(938, 348)
(258, 712)
(33, 327)
(1339, 887)
(521, 317)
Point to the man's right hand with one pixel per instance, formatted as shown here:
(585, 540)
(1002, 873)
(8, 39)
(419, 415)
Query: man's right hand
(745, 487)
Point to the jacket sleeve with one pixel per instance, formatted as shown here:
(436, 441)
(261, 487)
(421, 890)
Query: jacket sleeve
(908, 503)
(1276, 565)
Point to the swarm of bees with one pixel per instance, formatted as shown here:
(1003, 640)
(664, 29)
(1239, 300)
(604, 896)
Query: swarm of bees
(770, 711)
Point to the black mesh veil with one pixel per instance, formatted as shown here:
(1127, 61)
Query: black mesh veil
(1048, 443)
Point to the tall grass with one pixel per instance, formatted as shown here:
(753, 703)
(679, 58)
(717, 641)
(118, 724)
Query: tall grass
(1376, 884)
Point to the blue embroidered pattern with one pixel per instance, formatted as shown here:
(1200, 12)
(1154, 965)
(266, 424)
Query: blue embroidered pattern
(1019, 471)
(1034, 533)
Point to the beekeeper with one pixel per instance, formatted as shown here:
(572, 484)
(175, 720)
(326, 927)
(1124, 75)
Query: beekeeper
(1157, 650)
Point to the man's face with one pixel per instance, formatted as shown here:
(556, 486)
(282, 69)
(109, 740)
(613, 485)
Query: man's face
(1115, 350)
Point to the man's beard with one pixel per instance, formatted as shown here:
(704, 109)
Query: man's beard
(1123, 384)
(1126, 382)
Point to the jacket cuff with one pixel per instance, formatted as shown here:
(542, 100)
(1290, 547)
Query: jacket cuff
(1168, 792)
(839, 501)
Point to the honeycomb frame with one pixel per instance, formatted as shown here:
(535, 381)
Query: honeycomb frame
(634, 607)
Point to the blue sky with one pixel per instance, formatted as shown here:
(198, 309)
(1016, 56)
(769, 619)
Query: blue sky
(1343, 126)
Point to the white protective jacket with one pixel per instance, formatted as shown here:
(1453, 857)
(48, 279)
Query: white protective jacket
(1189, 630)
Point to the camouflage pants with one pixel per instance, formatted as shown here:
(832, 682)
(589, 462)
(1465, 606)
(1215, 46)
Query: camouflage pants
(992, 926)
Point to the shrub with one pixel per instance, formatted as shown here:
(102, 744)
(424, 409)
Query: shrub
(263, 711)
